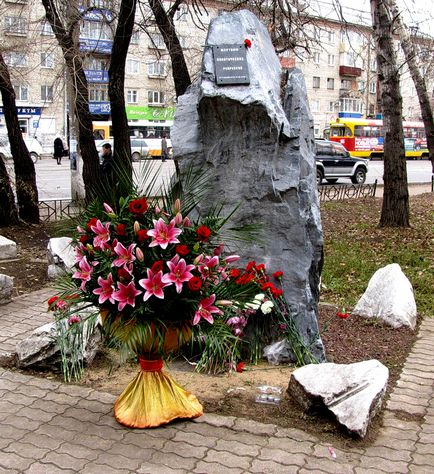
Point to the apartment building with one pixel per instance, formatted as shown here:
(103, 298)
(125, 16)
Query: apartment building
(340, 72)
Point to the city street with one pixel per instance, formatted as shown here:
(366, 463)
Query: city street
(55, 181)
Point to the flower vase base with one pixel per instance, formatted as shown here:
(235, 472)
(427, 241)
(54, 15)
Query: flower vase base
(153, 399)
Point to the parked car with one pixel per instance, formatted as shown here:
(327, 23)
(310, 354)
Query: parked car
(33, 145)
(333, 161)
(139, 147)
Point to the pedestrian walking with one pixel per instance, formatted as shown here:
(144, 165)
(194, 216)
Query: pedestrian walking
(58, 150)
(164, 152)
(107, 162)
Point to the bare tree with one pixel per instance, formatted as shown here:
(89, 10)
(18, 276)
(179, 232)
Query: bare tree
(25, 175)
(411, 57)
(122, 38)
(66, 29)
(8, 209)
(395, 211)
(165, 23)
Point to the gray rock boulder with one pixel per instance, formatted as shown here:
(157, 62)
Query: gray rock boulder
(258, 152)
(389, 297)
(41, 350)
(8, 248)
(6, 288)
(60, 255)
(353, 393)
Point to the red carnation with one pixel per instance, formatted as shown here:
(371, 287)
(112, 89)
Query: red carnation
(342, 315)
(52, 300)
(123, 274)
(277, 292)
(157, 266)
(121, 229)
(244, 279)
(234, 273)
(251, 265)
(278, 275)
(83, 238)
(260, 267)
(240, 367)
(268, 286)
(194, 284)
(182, 250)
(203, 232)
(142, 235)
(92, 222)
(247, 43)
(138, 206)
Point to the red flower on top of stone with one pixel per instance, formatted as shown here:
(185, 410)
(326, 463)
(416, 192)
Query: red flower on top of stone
(247, 43)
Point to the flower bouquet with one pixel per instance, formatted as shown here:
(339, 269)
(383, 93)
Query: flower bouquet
(154, 273)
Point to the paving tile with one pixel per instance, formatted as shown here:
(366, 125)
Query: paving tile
(251, 450)
(47, 468)
(426, 469)
(122, 462)
(423, 459)
(283, 457)
(14, 461)
(195, 439)
(228, 459)
(151, 468)
(216, 420)
(171, 459)
(252, 426)
(328, 465)
(26, 450)
(261, 466)
(78, 451)
(93, 468)
(383, 465)
(288, 444)
(213, 468)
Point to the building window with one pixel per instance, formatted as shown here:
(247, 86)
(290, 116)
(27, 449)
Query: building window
(183, 42)
(331, 106)
(157, 68)
(181, 13)
(317, 34)
(373, 87)
(133, 66)
(135, 37)
(373, 65)
(15, 25)
(46, 29)
(157, 41)
(316, 58)
(95, 64)
(155, 97)
(47, 60)
(15, 59)
(314, 105)
(331, 37)
(98, 93)
(21, 93)
(346, 84)
(330, 83)
(331, 60)
(132, 96)
(96, 30)
(316, 82)
(99, 4)
(351, 105)
(47, 93)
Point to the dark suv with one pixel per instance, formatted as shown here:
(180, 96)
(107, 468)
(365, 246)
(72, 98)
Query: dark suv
(333, 161)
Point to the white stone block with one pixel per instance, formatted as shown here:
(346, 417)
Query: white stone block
(8, 248)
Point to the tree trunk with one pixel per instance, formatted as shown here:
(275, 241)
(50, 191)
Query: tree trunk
(8, 209)
(116, 72)
(25, 175)
(181, 76)
(395, 211)
(74, 62)
(419, 82)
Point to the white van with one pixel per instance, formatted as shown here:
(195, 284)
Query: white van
(34, 147)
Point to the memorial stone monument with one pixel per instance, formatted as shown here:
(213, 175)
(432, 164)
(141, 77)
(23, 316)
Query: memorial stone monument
(251, 129)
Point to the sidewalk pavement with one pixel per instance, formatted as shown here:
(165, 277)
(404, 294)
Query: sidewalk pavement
(50, 427)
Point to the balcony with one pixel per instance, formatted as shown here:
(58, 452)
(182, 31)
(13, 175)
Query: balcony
(350, 71)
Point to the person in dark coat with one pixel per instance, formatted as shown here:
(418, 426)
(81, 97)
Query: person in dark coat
(58, 150)
(107, 163)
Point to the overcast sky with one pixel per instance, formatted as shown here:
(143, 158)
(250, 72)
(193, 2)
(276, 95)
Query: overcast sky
(416, 12)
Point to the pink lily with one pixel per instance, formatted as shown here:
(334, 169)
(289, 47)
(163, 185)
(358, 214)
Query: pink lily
(126, 255)
(126, 294)
(106, 289)
(164, 234)
(206, 310)
(84, 273)
(179, 273)
(153, 285)
(102, 232)
(108, 209)
(231, 258)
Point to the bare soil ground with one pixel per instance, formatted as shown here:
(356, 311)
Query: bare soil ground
(346, 341)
